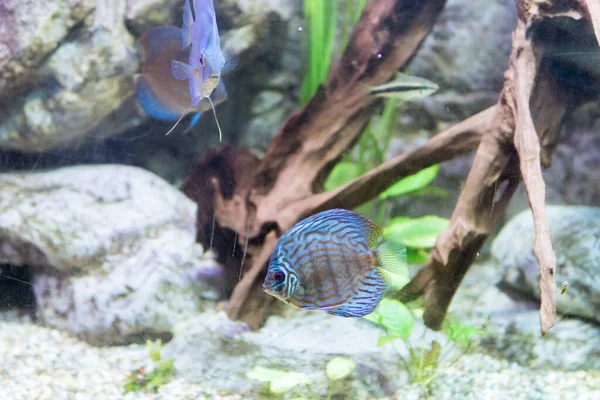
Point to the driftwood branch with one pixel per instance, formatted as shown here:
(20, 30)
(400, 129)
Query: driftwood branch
(528, 118)
(315, 137)
(246, 203)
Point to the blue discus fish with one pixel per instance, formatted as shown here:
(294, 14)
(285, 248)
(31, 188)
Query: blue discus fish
(170, 56)
(335, 261)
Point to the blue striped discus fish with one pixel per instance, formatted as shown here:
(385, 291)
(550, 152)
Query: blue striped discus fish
(335, 261)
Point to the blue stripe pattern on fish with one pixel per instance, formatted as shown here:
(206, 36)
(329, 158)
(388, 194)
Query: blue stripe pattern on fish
(182, 68)
(336, 261)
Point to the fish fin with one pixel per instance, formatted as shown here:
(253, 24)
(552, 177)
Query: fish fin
(195, 119)
(363, 225)
(151, 103)
(154, 41)
(186, 29)
(181, 71)
(216, 120)
(193, 122)
(231, 60)
(368, 294)
(391, 257)
(192, 104)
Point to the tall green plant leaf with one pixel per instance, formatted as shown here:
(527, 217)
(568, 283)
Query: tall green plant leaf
(321, 20)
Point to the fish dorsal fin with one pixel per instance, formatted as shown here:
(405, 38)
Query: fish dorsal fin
(186, 29)
(392, 258)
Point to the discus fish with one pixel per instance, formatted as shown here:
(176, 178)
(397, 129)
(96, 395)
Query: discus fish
(162, 90)
(335, 261)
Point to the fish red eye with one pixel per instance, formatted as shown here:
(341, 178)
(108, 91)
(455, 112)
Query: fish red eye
(279, 276)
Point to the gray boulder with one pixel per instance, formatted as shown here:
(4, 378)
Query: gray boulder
(511, 321)
(79, 83)
(575, 233)
(212, 348)
(466, 54)
(29, 31)
(111, 249)
(79, 86)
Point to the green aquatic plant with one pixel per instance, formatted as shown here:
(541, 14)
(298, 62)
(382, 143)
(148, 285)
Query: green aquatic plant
(370, 152)
(322, 18)
(162, 371)
(423, 364)
(280, 382)
(321, 22)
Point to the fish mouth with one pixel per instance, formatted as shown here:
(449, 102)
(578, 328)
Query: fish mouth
(280, 297)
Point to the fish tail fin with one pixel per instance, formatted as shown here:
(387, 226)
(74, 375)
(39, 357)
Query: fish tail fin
(216, 119)
(391, 258)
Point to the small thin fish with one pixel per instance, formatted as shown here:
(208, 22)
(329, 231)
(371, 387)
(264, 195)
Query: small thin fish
(162, 88)
(404, 87)
(335, 261)
(565, 286)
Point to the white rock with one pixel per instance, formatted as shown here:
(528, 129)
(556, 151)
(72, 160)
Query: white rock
(114, 246)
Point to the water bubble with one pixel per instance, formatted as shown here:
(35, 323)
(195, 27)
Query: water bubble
(300, 29)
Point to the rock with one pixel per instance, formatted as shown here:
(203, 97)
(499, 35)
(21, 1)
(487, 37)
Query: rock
(29, 32)
(573, 178)
(84, 88)
(466, 54)
(111, 249)
(212, 348)
(142, 15)
(511, 321)
(83, 84)
(575, 233)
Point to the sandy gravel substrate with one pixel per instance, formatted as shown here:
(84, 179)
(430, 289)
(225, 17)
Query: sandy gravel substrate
(45, 364)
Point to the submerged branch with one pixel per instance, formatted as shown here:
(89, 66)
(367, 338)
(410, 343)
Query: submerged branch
(314, 138)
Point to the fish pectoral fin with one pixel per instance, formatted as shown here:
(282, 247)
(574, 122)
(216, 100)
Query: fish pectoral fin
(181, 70)
(231, 60)
(391, 257)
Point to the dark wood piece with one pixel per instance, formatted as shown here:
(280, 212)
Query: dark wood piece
(246, 204)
